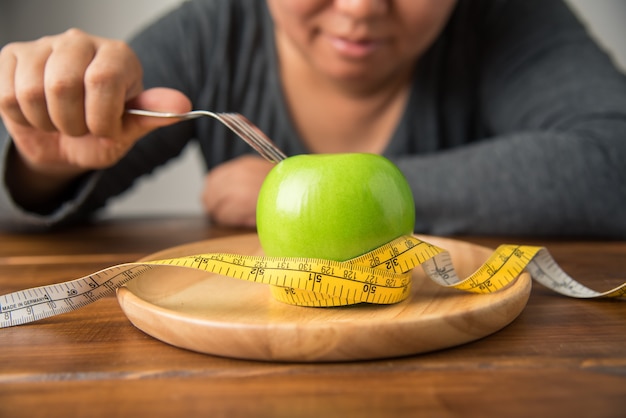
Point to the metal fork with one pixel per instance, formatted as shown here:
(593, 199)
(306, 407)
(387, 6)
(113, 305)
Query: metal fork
(236, 122)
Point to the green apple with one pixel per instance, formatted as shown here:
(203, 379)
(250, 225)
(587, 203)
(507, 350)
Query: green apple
(333, 206)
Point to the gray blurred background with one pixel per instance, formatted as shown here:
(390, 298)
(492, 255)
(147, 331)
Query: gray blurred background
(175, 189)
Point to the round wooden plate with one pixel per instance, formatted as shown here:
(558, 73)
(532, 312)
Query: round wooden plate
(233, 318)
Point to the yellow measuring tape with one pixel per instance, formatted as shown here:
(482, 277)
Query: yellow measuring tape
(382, 276)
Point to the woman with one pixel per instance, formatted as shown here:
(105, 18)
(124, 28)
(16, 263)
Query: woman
(504, 115)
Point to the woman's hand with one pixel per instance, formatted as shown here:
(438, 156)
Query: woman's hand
(231, 190)
(62, 100)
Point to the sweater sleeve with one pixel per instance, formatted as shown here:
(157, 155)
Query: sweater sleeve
(552, 107)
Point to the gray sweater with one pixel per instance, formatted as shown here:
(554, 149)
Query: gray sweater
(516, 123)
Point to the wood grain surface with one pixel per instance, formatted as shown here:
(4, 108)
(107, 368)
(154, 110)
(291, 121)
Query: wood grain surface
(560, 357)
(218, 315)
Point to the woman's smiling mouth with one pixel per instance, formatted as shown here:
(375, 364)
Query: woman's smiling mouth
(354, 49)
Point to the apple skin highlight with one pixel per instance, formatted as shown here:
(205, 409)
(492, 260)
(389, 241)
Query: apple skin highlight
(333, 206)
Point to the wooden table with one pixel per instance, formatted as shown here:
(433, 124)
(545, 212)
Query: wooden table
(561, 357)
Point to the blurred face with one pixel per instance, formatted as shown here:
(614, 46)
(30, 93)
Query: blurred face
(357, 40)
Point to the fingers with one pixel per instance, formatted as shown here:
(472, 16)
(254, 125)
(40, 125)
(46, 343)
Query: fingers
(73, 83)
(158, 99)
(112, 76)
(64, 85)
(231, 190)
(9, 106)
(63, 100)
(161, 99)
(21, 84)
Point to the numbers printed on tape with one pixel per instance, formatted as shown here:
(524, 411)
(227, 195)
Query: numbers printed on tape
(382, 276)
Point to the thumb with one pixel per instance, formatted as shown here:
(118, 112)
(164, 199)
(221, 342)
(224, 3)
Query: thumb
(159, 99)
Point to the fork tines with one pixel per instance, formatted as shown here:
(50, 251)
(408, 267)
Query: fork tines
(247, 131)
